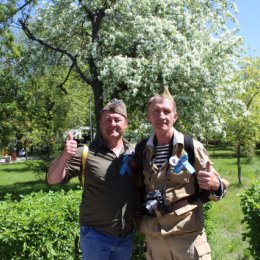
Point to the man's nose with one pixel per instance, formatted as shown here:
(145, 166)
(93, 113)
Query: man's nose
(161, 114)
(113, 122)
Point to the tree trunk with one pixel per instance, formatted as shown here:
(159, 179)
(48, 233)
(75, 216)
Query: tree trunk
(98, 101)
(239, 164)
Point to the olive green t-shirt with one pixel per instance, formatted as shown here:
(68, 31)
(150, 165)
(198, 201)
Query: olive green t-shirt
(108, 197)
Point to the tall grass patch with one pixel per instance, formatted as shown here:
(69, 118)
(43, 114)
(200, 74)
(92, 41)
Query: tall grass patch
(227, 240)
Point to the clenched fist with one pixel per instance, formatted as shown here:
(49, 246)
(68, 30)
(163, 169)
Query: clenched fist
(207, 179)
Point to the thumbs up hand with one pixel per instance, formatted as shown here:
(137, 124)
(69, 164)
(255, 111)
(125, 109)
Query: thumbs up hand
(207, 179)
(70, 147)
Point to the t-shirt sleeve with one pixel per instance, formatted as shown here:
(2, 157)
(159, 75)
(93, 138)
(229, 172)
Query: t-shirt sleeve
(74, 166)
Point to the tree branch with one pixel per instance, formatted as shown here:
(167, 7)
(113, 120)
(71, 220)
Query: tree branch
(95, 18)
(251, 99)
(12, 14)
(97, 23)
(24, 5)
(65, 80)
(30, 35)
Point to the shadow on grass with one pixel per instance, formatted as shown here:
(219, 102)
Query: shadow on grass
(23, 188)
(222, 154)
(21, 170)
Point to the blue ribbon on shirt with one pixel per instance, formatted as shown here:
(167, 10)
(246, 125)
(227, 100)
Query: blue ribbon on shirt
(183, 163)
(125, 166)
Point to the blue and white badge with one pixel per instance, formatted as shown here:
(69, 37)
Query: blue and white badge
(183, 163)
(173, 161)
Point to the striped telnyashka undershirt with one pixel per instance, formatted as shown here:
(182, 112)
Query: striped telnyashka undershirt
(161, 155)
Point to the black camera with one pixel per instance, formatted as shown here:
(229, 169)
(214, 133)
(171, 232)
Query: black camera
(153, 200)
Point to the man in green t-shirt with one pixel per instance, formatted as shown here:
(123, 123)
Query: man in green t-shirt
(107, 206)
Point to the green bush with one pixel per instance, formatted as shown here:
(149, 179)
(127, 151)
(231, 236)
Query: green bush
(250, 204)
(209, 218)
(138, 247)
(45, 226)
(40, 226)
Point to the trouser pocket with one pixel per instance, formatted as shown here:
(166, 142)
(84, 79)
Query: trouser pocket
(84, 230)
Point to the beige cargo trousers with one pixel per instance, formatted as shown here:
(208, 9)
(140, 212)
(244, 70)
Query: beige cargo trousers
(179, 235)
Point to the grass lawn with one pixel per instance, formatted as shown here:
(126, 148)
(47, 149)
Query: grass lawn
(19, 179)
(226, 241)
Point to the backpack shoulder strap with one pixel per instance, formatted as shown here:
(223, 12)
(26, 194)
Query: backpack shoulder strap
(83, 161)
(189, 148)
(139, 156)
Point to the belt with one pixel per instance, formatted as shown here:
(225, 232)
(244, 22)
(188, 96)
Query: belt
(179, 204)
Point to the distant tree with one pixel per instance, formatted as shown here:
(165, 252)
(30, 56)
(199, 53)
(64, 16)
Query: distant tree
(35, 107)
(243, 126)
(51, 113)
(9, 87)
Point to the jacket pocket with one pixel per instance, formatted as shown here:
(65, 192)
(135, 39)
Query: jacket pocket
(148, 254)
(203, 251)
(187, 219)
(150, 226)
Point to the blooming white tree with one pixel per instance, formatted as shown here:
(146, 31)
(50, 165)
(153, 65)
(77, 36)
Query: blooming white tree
(131, 48)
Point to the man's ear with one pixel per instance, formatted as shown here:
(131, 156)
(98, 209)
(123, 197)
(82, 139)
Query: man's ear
(176, 116)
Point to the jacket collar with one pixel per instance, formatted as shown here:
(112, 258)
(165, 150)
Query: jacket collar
(127, 146)
(178, 138)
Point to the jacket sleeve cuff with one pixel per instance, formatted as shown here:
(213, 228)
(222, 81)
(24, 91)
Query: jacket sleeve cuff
(218, 195)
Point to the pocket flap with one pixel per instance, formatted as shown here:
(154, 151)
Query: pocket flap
(185, 209)
(203, 249)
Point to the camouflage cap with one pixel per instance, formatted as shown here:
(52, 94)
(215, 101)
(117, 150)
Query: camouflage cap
(115, 106)
(164, 92)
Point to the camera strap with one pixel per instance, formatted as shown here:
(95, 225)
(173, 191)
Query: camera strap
(83, 162)
(170, 152)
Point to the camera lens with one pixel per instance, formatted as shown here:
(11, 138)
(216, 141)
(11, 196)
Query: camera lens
(149, 207)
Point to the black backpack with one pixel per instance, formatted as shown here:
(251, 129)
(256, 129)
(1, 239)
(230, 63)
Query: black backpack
(189, 148)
